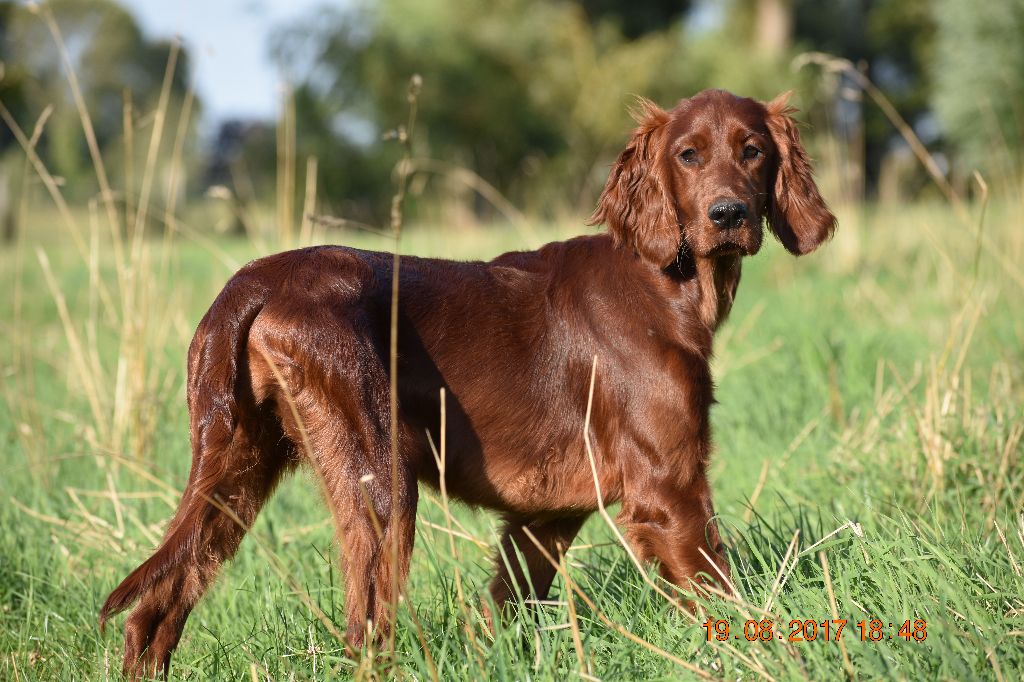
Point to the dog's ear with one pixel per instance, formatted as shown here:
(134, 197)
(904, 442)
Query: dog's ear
(635, 204)
(797, 215)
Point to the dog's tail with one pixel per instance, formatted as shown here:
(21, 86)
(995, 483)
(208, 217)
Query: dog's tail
(216, 359)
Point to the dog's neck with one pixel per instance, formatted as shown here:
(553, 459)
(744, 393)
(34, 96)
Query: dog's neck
(715, 281)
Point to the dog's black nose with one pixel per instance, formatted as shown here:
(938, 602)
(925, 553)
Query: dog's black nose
(726, 214)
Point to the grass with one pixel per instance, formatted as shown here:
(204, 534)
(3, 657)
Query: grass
(868, 466)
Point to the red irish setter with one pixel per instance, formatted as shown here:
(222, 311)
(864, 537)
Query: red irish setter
(295, 351)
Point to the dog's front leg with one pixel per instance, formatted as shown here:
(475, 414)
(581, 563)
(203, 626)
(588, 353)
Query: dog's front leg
(671, 521)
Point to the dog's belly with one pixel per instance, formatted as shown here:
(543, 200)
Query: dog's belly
(520, 470)
(549, 482)
(521, 457)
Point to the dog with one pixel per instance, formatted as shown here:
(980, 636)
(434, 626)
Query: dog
(291, 364)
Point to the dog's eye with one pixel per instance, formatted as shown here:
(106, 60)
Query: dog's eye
(751, 152)
(689, 155)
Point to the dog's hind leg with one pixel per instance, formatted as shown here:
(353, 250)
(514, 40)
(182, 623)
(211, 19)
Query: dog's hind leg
(238, 455)
(523, 570)
(226, 491)
(352, 461)
(336, 409)
(396, 550)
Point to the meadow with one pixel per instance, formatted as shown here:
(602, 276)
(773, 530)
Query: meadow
(867, 468)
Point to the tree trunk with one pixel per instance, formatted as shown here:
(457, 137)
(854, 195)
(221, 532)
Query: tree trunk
(773, 27)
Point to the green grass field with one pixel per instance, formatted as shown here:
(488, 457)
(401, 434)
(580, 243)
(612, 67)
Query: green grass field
(868, 466)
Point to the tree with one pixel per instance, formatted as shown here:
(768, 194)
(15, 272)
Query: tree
(110, 57)
(638, 18)
(979, 78)
(893, 40)
(532, 96)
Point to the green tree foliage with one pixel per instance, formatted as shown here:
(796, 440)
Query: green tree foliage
(530, 95)
(638, 18)
(14, 80)
(979, 78)
(893, 40)
(112, 60)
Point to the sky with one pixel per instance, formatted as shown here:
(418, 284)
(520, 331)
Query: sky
(229, 42)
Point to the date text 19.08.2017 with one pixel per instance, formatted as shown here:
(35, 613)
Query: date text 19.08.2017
(869, 630)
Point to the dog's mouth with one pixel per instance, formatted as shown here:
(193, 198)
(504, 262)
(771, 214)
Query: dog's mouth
(727, 249)
(742, 240)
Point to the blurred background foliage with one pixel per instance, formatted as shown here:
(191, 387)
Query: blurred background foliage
(529, 97)
(119, 71)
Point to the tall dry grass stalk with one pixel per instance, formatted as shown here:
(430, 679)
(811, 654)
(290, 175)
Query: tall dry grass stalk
(19, 391)
(402, 171)
(124, 389)
(286, 170)
(120, 390)
(837, 64)
(76, 91)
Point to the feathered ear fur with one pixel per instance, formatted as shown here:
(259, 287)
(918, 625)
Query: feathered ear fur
(798, 215)
(635, 204)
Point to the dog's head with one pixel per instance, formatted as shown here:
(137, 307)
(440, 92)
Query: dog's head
(703, 176)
